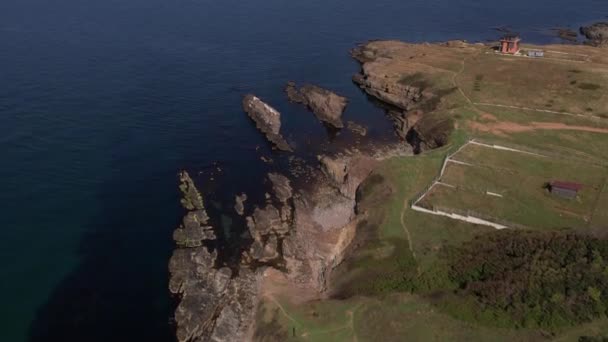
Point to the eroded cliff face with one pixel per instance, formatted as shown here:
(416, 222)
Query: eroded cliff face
(325, 221)
(389, 76)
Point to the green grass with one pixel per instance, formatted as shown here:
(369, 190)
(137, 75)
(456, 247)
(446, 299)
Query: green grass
(503, 80)
(397, 317)
(520, 179)
(525, 117)
(585, 146)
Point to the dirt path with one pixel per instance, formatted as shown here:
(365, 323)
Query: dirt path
(407, 232)
(458, 87)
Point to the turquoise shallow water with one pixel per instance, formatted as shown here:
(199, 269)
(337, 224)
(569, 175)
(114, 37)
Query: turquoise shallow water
(101, 103)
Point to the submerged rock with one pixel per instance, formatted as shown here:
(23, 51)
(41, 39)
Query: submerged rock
(326, 105)
(596, 34)
(566, 34)
(267, 120)
(356, 128)
(239, 205)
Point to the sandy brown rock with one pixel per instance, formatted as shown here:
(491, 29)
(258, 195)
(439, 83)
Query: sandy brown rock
(281, 186)
(267, 120)
(335, 168)
(326, 105)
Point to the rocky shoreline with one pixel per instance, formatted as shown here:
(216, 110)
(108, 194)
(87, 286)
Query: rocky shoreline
(407, 100)
(300, 234)
(214, 303)
(596, 34)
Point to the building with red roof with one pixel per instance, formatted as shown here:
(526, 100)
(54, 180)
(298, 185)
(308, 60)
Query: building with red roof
(564, 189)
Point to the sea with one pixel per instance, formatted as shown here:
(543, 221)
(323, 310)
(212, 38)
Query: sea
(102, 103)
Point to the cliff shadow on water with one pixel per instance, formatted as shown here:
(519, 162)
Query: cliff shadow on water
(118, 291)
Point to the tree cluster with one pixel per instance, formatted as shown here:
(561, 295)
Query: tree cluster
(538, 279)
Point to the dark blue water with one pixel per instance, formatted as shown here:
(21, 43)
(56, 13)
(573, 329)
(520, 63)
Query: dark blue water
(102, 102)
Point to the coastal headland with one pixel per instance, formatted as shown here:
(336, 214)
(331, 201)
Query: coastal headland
(393, 240)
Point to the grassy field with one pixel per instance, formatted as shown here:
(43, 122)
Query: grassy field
(397, 317)
(520, 179)
(561, 85)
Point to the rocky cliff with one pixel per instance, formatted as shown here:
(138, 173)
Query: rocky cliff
(596, 34)
(387, 76)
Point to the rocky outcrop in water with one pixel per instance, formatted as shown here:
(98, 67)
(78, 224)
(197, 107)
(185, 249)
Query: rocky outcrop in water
(596, 34)
(566, 34)
(267, 120)
(214, 305)
(326, 105)
(239, 204)
(356, 128)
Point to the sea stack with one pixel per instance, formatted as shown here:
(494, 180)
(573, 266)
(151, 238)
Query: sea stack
(326, 105)
(267, 120)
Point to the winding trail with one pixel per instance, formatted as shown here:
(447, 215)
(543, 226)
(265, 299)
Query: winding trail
(458, 87)
(283, 311)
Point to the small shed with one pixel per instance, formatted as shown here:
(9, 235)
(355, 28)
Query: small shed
(536, 53)
(563, 189)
